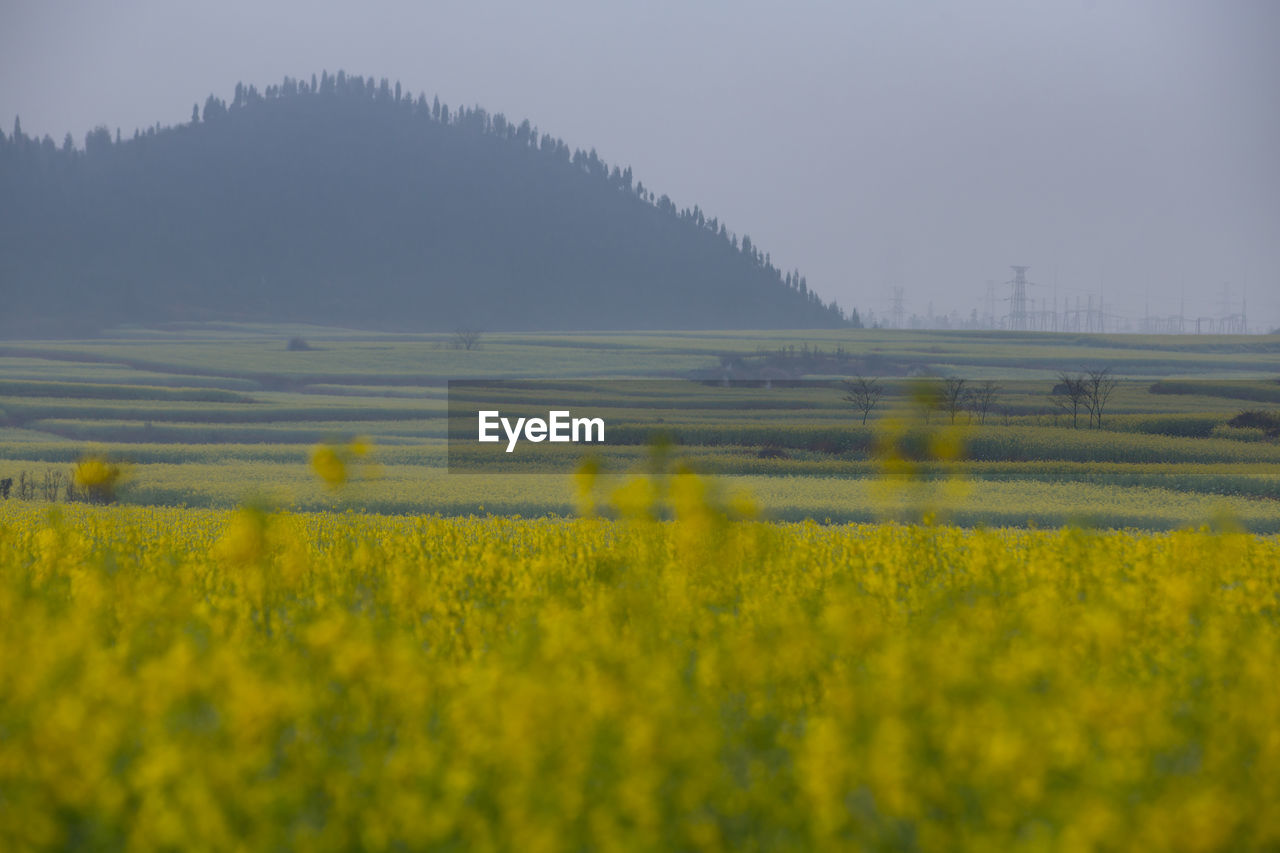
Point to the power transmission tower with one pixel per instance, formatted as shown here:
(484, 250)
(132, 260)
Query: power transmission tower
(1018, 299)
(1232, 323)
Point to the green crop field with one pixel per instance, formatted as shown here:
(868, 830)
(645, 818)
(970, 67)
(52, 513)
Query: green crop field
(212, 415)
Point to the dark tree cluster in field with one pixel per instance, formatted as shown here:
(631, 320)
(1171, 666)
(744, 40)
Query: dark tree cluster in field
(342, 200)
(950, 395)
(954, 394)
(51, 485)
(1087, 392)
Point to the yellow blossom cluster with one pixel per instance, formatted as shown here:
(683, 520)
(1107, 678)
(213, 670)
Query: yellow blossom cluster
(333, 463)
(98, 476)
(179, 679)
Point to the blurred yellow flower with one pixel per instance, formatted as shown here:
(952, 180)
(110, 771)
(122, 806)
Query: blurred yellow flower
(98, 477)
(584, 484)
(244, 540)
(329, 466)
(334, 463)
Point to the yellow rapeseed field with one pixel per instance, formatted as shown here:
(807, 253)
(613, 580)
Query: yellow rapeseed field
(178, 679)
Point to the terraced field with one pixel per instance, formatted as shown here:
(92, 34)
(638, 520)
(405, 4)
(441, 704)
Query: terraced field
(210, 416)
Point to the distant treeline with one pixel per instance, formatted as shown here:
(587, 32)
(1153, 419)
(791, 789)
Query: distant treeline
(341, 200)
(53, 484)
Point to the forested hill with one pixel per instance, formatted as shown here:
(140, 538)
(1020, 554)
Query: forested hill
(348, 202)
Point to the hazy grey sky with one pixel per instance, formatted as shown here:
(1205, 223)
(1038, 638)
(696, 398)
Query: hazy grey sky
(1130, 146)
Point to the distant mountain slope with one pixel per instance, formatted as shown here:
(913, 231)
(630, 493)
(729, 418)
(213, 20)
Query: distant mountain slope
(341, 201)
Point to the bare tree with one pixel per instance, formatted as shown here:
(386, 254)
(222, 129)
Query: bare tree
(51, 485)
(1069, 395)
(954, 395)
(864, 394)
(982, 399)
(1099, 385)
(467, 339)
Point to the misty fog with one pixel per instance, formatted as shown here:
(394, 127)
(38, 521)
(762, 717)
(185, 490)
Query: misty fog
(1124, 152)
